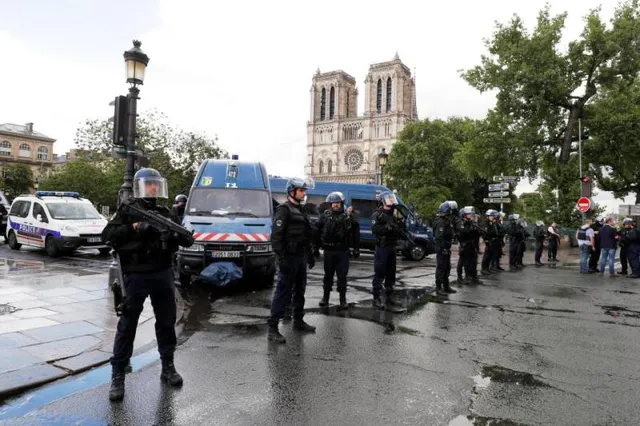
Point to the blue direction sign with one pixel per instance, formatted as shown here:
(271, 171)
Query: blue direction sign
(498, 186)
(510, 179)
(497, 200)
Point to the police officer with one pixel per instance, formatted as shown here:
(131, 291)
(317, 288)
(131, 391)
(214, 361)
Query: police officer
(539, 234)
(499, 242)
(490, 239)
(595, 255)
(178, 207)
(522, 247)
(624, 245)
(468, 237)
(387, 232)
(516, 237)
(145, 263)
(291, 238)
(335, 232)
(631, 240)
(444, 232)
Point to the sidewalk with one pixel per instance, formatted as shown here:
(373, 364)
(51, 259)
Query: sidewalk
(57, 320)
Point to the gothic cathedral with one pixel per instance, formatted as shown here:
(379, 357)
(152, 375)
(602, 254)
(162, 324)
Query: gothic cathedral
(343, 146)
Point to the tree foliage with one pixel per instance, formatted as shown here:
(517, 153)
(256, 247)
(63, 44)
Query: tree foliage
(542, 90)
(17, 179)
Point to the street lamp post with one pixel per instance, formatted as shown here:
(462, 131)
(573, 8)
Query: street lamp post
(136, 62)
(382, 162)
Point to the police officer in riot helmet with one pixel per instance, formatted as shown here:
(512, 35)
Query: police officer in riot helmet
(624, 245)
(444, 232)
(490, 241)
(522, 247)
(539, 234)
(145, 258)
(387, 232)
(335, 233)
(179, 206)
(291, 238)
(499, 242)
(468, 235)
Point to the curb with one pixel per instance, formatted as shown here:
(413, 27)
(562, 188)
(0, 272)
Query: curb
(18, 381)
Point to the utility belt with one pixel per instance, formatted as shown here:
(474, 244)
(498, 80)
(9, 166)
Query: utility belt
(335, 246)
(296, 248)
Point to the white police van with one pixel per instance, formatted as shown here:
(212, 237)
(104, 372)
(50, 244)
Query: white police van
(59, 222)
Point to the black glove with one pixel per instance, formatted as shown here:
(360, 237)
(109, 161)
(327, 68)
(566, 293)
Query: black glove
(311, 262)
(446, 251)
(355, 253)
(144, 227)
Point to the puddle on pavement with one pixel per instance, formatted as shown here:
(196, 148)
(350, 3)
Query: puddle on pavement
(620, 311)
(481, 381)
(506, 375)
(7, 309)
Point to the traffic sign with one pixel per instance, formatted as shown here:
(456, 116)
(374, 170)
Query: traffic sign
(510, 179)
(499, 194)
(496, 200)
(624, 209)
(584, 204)
(634, 210)
(498, 186)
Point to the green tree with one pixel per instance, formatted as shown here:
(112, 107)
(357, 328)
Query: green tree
(542, 90)
(614, 144)
(175, 153)
(18, 179)
(83, 177)
(422, 167)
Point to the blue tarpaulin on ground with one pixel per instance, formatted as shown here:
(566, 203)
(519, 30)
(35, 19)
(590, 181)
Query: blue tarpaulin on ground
(221, 273)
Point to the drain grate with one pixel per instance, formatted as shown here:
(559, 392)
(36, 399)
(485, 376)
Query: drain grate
(7, 309)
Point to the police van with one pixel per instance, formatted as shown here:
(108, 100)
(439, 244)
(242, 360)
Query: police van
(364, 200)
(230, 211)
(59, 222)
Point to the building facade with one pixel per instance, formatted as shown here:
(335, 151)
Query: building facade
(23, 145)
(343, 146)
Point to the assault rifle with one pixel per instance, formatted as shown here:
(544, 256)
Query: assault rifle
(165, 226)
(117, 287)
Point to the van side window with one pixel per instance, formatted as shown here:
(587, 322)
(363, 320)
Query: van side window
(39, 210)
(316, 204)
(364, 208)
(15, 208)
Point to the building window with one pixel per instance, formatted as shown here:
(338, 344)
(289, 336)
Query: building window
(323, 104)
(332, 102)
(43, 153)
(347, 104)
(25, 150)
(321, 167)
(5, 149)
(379, 96)
(388, 94)
(329, 166)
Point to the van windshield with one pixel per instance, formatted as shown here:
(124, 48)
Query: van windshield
(229, 202)
(73, 211)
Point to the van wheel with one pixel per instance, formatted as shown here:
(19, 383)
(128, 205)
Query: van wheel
(185, 281)
(417, 252)
(50, 246)
(13, 241)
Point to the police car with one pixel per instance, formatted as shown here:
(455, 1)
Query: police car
(59, 222)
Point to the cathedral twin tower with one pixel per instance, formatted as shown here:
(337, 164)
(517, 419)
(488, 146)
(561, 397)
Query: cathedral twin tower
(343, 146)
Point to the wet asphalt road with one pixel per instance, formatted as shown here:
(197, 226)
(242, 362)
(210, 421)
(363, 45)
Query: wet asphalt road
(541, 347)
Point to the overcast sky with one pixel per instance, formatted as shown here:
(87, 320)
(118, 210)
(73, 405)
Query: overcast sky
(242, 70)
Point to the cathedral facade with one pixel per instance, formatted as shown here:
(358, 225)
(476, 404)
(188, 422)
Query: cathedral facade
(343, 146)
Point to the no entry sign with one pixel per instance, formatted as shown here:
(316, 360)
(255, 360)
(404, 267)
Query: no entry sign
(584, 204)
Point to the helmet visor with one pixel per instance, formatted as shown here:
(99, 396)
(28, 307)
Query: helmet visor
(389, 199)
(150, 187)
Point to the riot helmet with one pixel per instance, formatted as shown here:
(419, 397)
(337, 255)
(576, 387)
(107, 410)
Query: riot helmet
(388, 199)
(295, 184)
(336, 198)
(627, 221)
(539, 223)
(181, 198)
(445, 208)
(148, 184)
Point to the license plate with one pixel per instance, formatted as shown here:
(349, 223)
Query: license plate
(94, 240)
(224, 254)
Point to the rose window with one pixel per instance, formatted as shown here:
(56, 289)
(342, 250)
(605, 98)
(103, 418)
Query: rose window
(353, 159)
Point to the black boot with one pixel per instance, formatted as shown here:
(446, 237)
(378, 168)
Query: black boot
(300, 325)
(390, 301)
(485, 272)
(500, 268)
(377, 303)
(325, 299)
(448, 289)
(116, 392)
(169, 373)
(343, 300)
(275, 336)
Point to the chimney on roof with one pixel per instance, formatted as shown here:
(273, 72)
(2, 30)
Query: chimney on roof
(29, 127)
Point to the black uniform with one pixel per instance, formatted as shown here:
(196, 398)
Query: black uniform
(387, 231)
(539, 233)
(490, 237)
(468, 237)
(624, 251)
(632, 242)
(178, 211)
(335, 233)
(146, 266)
(444, 232)
(498, 245)
(554, 242)
(516, 240)
(595, 255)
(291, 240)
